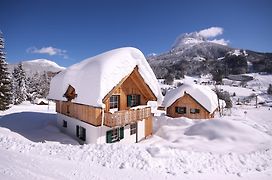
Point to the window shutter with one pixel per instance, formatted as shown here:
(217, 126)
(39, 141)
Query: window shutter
(128, 100)
(109, 136)
(83, 134)
(138, 99)
(77, 131)
(121, 136)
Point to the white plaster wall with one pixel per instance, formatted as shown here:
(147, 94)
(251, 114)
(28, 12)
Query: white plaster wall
(97, 134)
(141, 130)
(127, 137)
(93, 134)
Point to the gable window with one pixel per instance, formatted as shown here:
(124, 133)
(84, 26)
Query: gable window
(133, 100)
(194, 111)
(133, 128)
(115, 135)
(64, 124)
(81, 133)
(180, 110)
(114, 101)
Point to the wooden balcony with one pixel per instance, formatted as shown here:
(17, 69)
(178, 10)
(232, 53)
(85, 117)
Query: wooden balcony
(124, 117)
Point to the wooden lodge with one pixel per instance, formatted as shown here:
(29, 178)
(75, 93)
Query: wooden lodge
(191, 101)
(124, 117)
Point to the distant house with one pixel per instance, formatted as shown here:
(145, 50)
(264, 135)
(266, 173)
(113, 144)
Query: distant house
(192, 101)
(41, 101)
(103, 99)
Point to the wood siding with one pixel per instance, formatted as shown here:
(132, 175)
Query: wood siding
(148, 126)
(188, 102)
(84, 113)
(133, 84)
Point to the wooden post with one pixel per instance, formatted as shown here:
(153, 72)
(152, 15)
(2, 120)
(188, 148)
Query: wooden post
(256, 101)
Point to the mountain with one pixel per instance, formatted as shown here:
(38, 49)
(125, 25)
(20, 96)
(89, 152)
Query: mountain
(193, 54)
(38, 66)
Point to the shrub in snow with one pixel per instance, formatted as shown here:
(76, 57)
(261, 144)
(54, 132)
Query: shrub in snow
(169, 79)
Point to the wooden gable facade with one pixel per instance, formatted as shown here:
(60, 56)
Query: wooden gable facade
(187, 106)
(131, 91)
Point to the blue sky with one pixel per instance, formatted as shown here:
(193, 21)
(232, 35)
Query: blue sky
(68, 31)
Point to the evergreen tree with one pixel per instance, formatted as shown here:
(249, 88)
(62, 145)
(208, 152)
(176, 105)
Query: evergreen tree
(19, 84)
(44, 85)
(5, 82)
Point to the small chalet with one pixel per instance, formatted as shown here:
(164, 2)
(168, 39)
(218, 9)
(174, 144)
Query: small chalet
(103, 99)
(192, 101)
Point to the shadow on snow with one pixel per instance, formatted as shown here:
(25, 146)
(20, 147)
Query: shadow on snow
(35, 126)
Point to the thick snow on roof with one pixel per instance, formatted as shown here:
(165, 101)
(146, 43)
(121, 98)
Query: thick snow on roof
(203, 94)
(95, 77)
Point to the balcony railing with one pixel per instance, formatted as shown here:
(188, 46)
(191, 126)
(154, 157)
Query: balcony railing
(123, 117)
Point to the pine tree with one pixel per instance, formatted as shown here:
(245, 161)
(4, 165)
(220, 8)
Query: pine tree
(5, 81)
(19, 84)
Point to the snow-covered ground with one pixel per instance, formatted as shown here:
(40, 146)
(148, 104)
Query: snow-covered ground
(236, 146)
(232, 147)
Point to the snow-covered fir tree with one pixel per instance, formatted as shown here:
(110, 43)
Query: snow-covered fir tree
(38, 86)
(19, 85)
(5, 81)
(44, 85)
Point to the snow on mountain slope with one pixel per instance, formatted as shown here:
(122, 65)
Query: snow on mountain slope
(38, 65)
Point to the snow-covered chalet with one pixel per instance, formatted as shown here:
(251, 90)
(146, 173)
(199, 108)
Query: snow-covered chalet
(103, 99)
(192, 101)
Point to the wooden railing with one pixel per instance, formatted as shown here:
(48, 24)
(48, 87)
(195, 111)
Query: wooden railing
(121, 118)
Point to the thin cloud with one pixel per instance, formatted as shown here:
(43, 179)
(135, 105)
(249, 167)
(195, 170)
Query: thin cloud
(220, 41)
(211, 32)
(51, 51)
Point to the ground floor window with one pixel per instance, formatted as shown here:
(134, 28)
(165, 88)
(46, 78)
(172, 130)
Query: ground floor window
(81, 133)
(64, 124)
(133, 128)
(194, 111)
(115, 135)
(181, 110)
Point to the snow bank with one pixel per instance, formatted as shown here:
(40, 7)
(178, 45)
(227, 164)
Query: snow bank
(203, 94)
(218, 135)
(225, 129)
(94, 77)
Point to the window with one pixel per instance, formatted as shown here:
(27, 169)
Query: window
(114, 101)
(115, 135)
(133, 128)
(181, 110)
(133, 100)
(64, 123)
(81, 133)
(194, 111)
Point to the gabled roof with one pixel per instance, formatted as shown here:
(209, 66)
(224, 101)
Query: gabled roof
(95, 77)
(202, 94)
